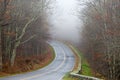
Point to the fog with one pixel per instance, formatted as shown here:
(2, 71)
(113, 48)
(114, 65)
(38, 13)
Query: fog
(65, 21)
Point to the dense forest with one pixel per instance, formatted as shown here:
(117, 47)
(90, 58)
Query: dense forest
(101, 37)
(23, 29)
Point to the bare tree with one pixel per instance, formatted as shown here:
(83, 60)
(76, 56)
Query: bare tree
(101, 28)
(3, 9)
(19, 18)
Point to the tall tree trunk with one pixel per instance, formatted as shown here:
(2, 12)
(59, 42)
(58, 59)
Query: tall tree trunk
(14, 53)
(0, 51)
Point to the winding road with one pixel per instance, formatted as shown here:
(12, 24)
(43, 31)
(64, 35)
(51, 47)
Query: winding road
(63, 63)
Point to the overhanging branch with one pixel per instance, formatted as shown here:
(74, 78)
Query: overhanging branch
(28, 39)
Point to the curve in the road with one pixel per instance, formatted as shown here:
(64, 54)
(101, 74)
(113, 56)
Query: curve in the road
(63, 63)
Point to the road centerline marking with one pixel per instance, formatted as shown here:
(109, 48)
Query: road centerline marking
(49, 71)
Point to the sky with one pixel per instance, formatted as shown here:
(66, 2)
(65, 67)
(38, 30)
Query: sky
(65, 21)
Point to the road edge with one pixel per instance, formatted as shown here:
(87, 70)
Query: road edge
(75, 71)
(54, 56)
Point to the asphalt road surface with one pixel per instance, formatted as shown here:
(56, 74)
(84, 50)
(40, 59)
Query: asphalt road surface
(63, 63)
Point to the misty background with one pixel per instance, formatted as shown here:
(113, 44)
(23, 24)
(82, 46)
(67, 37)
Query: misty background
(65, 21)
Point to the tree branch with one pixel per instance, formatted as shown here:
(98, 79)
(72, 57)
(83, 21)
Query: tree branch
(28, 39)
(24, 29)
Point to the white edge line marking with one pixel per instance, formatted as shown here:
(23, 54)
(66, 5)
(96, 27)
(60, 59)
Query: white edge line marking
(72, 66)
(49, 71)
